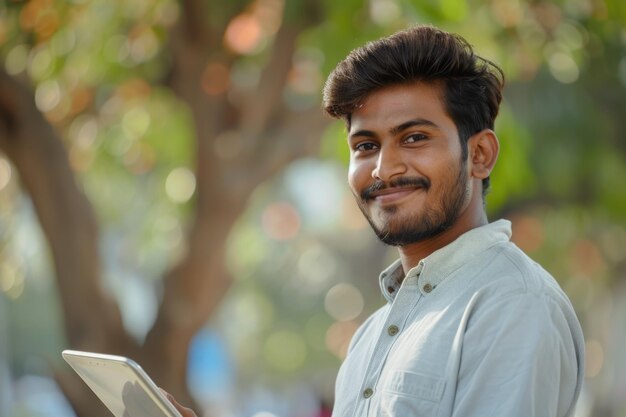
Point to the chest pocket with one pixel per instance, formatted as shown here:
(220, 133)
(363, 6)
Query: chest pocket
(411, 394)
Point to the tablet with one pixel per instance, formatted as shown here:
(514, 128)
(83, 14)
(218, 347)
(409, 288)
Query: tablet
(121, 384)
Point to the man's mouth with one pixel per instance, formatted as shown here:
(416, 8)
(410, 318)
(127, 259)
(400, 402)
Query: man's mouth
(393, 194)
(397, 189)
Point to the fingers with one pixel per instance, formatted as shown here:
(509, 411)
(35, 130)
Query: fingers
(184, 411)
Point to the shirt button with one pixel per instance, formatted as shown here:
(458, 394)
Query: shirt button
(368, 392)
(393, 330)
(427, 288)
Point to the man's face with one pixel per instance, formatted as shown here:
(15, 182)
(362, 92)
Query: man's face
(406, 171)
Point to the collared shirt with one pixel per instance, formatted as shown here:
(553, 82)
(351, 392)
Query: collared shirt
(476, 329)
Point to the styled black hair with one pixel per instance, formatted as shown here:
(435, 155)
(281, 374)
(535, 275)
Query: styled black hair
(471, 85)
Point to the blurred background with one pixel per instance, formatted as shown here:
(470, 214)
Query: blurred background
(171, 191)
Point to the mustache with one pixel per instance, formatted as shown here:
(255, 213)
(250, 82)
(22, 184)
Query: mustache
(378, 185)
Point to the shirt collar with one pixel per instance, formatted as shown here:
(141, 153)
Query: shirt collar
(433, 269)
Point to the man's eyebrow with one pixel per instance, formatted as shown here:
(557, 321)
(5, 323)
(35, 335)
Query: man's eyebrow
(363, 132)
(412, 123)
(396, 129)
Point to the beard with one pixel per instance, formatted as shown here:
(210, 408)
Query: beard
(434, 220)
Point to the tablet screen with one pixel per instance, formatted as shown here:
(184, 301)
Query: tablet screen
(120, 384)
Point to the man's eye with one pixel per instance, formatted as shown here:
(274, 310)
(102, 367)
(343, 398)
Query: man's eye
(365, 146)
(416, 137)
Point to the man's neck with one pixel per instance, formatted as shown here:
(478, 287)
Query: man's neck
(412, 254)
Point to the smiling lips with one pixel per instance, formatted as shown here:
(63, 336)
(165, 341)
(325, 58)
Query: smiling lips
(392, 194)
(394, 190)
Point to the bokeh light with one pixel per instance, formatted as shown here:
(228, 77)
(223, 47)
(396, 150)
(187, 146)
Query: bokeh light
(180, 184)
(5, 173)
(144, 44)
(570, 36)
(508, 13)
(255, 311)
(48, 95)
(243, 34)
(338, 337)
(563, 67)
(586, 261)
(594, 358)
(264, 414)
(40, 63)
(136, 122)
(528, 233)
(384, 12)
(344, 302)
(305, 76)
(16, 60)
(281, 221)
(11, 280)
(316, 267)
(63, 42)
(83, 131)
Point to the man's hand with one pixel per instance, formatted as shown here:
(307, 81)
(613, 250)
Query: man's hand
(184, 411)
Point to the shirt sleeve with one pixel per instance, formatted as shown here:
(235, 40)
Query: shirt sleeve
(518, 359)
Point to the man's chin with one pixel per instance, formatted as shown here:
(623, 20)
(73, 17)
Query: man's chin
(405, 237)
(393, 236)
(395, 231)
(406, 234)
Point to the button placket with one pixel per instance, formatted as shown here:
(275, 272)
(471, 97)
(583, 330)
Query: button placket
(400, 305)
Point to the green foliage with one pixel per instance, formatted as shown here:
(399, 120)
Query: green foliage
(512, 177)
(334, 143)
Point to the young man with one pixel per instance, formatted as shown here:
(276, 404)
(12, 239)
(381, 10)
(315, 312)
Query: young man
(472, 327)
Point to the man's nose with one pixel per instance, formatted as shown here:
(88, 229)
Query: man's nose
(388, 164)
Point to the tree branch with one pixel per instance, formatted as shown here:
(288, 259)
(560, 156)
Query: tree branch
(193, 25)
(196, 285)
(262, 104)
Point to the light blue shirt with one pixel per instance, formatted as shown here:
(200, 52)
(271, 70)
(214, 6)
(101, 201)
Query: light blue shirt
(476, 329)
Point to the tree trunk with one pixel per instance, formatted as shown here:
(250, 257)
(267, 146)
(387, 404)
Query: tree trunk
(194, 288)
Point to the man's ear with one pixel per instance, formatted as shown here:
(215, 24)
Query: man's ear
(483, 148)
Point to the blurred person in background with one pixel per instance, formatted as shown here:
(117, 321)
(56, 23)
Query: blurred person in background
(472, 326)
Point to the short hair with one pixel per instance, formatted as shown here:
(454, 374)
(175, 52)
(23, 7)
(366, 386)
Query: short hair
(471, 85)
